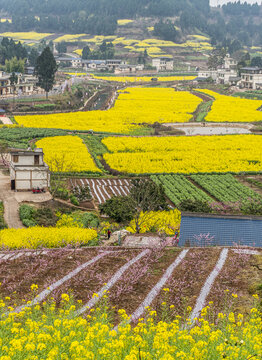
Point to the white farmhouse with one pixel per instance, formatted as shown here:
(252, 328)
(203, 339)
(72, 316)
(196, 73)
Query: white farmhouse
(28, 170)
(163, 64)
(251, 78)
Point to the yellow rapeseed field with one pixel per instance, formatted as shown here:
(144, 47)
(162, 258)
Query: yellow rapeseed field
(167, 222)
(30, 35)
(45, 332)
(48, 237)
(69, 37)
(133, 79)
(198, 154)
(67, 154)
(134, 106)
(122, 22)
(232, 109)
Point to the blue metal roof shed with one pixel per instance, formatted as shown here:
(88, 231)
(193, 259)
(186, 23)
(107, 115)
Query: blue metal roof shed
(224, 230)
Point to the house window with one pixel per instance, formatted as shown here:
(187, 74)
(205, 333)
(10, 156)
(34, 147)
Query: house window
(15, 158)
(36, 159)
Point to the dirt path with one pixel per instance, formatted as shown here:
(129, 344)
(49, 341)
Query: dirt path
(11, 205)
(12, 200)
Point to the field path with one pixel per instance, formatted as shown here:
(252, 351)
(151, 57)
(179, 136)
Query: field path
(201, 300)
(111, 282)
(40, 297)
(157, 288)
(11, 205)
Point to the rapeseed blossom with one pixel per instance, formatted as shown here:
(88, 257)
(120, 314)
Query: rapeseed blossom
(67, 154)
(133, 107)
(49, 237)
(184, 155)
(49, 333)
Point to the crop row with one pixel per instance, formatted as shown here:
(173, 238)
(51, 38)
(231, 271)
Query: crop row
(178, 188)
(225, 187)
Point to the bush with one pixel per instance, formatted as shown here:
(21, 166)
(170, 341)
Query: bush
(74, 200)
(119, 208)
(195, 206)
(29, 223)
(45, 217)
(90, 220)
(26, 212)
(62, 193)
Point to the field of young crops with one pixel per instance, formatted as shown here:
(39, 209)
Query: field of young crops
(232, 109)
(178, 284)
(134, 106)
(179, 188)
(224, 188)
(184, 155)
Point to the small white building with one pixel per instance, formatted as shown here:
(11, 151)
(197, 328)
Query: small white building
(224, 74)
(129, 68)
(163, 64)
(28, 170)
(251, 78)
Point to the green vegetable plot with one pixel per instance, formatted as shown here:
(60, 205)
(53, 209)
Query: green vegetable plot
(178, 188)
(224, 188)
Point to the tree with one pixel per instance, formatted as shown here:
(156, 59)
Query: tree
(15, 65)
(119, 208)
(86, 53)
(33, 57)
(145, 197)
(61, 47)
(45, 70)
(256, 61)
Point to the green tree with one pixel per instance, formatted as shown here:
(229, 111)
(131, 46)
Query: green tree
(119, 208)
(256, 61)
(86, 53)
(15, 65)
(61, 47)
(33, 56)
(45, 70)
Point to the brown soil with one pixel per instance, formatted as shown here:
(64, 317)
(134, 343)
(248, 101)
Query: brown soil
(240, 277)
(130, 293)
(90, 281)
(189, 279)
(43, 270)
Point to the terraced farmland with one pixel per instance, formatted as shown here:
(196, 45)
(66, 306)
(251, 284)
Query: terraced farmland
(179, 188)
(104, 189)
(135, 278)
(224, 188)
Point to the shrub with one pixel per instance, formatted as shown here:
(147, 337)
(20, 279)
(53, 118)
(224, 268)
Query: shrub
(120, 208)
(74, 200)
(26, 212)
(28, 223)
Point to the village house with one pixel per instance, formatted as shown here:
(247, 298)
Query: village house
(163, 64)
(129, 68)
(251, 78)
(70, 61)
(225, 74)
(28, 170)
(26, 84)
(94, 65)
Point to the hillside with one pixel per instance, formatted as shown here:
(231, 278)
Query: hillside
(176, 18)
